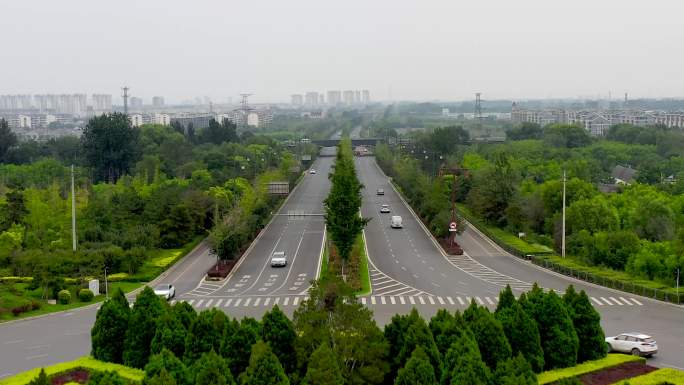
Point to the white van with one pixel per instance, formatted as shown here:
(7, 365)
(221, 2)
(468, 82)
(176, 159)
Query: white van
(395, 222)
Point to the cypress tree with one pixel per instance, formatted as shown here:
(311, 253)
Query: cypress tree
(404, 334)
(142, 328)
(212, 369)
(170, 334)
(323, 368)
(109, 377)
(184, 313)
(166, 361)
(587, 323)
(506, 299)
(557, 334)
(42, 379)
(446, 328)
(463, 364)
(264, 368)
(236, 347)
(277, 331)
(162, 378)
(515, 371)
(523, 335)
(489, 334)
(109, 331)
(417, 371)
(205, 334)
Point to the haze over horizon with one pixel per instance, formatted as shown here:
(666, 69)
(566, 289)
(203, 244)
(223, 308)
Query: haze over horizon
(397, 49)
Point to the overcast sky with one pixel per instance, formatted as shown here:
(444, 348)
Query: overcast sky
(418, 50)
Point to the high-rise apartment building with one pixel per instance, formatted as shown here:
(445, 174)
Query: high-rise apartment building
(102, 103)
(365, 96)
(297, 100)
(357, 97)
(334, 98)
(348, 97)
(311, 99)
(135, 103)
(157, 101)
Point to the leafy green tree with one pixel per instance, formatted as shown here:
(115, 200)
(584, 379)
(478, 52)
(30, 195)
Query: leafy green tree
(323, 368)
(166, 361)
(42, 379)
(218, 133)
(108, 377)
(15, 209)
(515, 371)
(237, 342)
(109, 331)
(205, 334)
(463, 364)
(587, 323)
(592, 215)
(170, 334)
(522, 334)
(110, 146)
(264, 368)
(526, 130)
(566, 135)
(211, 369)
(559, 340)
(417, 370)
(161, 378)
(653, 219)
(278, 332)
(142, 327)
(7, 139)
(493, 190)
(489, 334)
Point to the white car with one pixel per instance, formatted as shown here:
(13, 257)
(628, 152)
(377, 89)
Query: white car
(637, 344)
(165, 290)
(384, 209)
(278, 259)
(312, 171)
(395, 222)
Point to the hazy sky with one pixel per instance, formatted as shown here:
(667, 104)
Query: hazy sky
(419, 50)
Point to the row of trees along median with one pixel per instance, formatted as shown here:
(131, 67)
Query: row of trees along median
(344, 224)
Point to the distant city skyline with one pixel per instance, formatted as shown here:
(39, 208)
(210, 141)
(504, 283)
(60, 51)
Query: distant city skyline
(398, 50)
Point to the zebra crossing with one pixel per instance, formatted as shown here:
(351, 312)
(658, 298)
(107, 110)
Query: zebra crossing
(380, 300)
(382, 284)
(205, 288)
(484, 273)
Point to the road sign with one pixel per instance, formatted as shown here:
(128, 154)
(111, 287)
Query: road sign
(452, 226)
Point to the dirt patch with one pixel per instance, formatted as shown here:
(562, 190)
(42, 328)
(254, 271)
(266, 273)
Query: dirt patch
(81, 376)
(221, 269)
(448, 248)
(617, 373)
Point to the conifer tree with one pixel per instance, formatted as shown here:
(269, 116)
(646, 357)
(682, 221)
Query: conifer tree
(170, 334)
(523, 335)
(142, 328)
(557, 334)
(506, 299)
(236, 347)
(489, 334)
(463, 364)
(264, 368)
(166, 361)
(417, 371)
(587, 323)
(42, 379)
(323, 368)
(515, 371)
(109, 377)
(205, 334)
(162, 378)
(278, 332)
(109, 331)
(211, 369)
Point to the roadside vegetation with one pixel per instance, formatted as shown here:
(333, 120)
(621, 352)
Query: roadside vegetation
(346, 255)
(144, 198)
(513, 191)
(333, 339)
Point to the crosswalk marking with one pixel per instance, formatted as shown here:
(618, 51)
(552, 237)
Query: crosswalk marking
(237, 303)
(413, 301)
(432, 301)
(373, 300)
(199, 303)
(256, 303)
(479, 300)
(209, 302)
(363, 301)
(441, 301)
(637, 302)
(606, 301)
(228, 302)
(191, 301)
(277, 300)
(422, 301)
(382, 300)
(392, 300)
(451, 301)
(489, 301)
(596, 301)
(616, 301)
(247, 301)
(460, 301)
(268, 299)
(296, 300)
(401, 299)
(218, 303)
(625, 301)
(287, 299)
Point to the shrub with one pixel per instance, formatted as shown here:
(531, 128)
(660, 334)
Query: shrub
(20, 309)
(35, 305)
(64, 297)
(85, 295)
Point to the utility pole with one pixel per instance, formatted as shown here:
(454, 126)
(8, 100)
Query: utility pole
(73, 210)
(563, 236)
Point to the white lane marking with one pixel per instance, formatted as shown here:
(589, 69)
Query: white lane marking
(460, 300)
(200, 302)
(287, 299)
(637, 302)
(218, 303)
(228, 301)
(479, 300)
(392, 300)
(12, 342)
(432, 301)
(441, 301)
(257, 302)
(596, 301)
(606, 301)
(422, 301)
(296, 300)
(413, 302)
(401, 299)
(267, 301)
(382, 300)
(625, 301)
(209, 302)
(616, 301)
(36, 356)
(237, 302)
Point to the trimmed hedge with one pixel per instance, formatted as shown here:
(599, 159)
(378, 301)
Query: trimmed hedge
(85, 295)
(134, 376)
(660, 376)
(64, 297)
(585, 368)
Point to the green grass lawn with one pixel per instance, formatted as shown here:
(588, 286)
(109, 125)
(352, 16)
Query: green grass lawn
(12, 295)
(586, 367)
(133, 375)
(363, 269)
(658, 377)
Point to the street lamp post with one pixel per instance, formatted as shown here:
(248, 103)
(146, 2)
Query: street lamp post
(106, 286)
